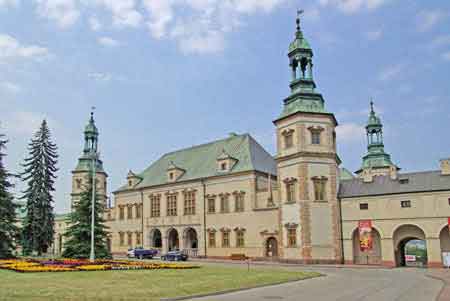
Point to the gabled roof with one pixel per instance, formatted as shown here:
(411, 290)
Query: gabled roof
(406, 183)
(201, 161)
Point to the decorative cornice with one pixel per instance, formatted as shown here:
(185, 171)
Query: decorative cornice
(291, 225)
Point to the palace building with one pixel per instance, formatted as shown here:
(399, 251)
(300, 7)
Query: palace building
(230, 198)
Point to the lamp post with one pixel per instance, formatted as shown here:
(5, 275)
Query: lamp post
(94, 163)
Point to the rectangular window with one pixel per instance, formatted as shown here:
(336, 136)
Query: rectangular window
(292, 237)
(172, 205)
(240, 242)
(212, 205)
(290, 192)
(224, 205)
(225, 239)
(130, 239)
(138, 239)
(121, 213)
(239, 202)
(122, 238)
(130, 212)
(363, 206)
(406, 204)
(139, 211)
(315, 137)
(189, 203)
(288, 140)
(155, 206)
(212, 239)
(319, 189)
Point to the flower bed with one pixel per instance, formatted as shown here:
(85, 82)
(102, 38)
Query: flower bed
(75, 265)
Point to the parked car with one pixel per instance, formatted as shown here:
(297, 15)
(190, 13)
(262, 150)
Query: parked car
(142, 253)
(175, 256)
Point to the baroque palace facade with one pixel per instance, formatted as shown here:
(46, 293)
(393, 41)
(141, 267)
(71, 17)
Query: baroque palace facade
(230, 198)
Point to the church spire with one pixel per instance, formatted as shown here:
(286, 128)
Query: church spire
(304, 97)
(376, 157)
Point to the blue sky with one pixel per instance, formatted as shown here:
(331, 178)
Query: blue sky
(168, 74)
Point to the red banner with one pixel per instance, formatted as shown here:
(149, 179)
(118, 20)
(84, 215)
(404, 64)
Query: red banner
(448, 224)
(365, 235)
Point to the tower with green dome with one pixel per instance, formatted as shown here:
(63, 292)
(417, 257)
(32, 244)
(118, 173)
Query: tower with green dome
(376, 161)
(80, 175)
(307, 164)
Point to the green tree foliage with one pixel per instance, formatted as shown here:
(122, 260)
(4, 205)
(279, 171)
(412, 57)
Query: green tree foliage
(8, 229)
(78, 243)
(39, 174)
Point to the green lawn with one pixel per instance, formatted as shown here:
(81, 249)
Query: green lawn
(137, 285)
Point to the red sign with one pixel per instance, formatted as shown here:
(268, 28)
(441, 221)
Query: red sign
(448, 223)
(365, 235)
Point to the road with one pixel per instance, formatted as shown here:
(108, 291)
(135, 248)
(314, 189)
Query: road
(347, 285)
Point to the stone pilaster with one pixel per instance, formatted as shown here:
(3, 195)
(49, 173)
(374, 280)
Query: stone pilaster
(305, 221)
(303, 181)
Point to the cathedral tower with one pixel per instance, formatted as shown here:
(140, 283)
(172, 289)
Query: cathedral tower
(376, 162)
(84, 168)
(307, 165)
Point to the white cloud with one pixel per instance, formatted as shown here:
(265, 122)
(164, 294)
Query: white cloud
(353, 6)
(108, 42)
(124, 12)
(99, 76)
(9, 3)
(95, 24)
(64, 12)
(10, 87)
(212, 41)
(374, 35)
(350, 132)
(446, 56)
(161, 14)
(392, 72)
(11, 49)
(427, 19)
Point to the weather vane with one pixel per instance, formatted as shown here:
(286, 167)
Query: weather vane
(299, 13)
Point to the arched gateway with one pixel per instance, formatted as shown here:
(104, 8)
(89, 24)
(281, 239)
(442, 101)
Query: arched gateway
(410, 246)
(272, 247)
(173, 240)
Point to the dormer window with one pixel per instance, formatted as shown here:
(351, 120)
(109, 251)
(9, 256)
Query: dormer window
(130, 183)
(225, 162)
(133, 179)
(288, 137)
(174, 172)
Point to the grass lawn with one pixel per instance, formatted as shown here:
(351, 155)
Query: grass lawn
(137, 285)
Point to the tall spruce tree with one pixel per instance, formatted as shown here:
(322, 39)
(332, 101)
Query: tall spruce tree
(78, 243)
(40, 174)
(8, 229)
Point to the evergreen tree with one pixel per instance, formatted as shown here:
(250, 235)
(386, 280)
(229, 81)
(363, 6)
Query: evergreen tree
(40, 174)
(78, 243)
(8, 229)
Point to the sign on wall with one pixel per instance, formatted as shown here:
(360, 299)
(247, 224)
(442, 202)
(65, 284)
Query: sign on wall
(448, 223)
(365, 235)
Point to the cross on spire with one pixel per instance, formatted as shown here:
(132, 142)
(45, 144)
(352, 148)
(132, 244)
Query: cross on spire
(371, 105)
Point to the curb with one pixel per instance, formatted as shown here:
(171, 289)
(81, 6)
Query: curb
(237, 289)
(280, 264)
(444, 285)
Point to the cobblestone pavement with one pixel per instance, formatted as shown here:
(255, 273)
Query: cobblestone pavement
(347, 284)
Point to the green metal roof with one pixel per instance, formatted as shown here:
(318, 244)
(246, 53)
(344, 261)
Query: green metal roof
(201, 161)
(345, 174)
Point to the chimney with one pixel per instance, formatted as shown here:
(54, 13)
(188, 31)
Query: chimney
(445, 167)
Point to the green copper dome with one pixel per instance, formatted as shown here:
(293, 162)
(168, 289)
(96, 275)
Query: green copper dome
(374, 121)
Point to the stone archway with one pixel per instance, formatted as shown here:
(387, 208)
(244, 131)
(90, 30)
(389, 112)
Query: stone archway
(373, 256)
(444, 238)
(271, 247)
(190, 239)
(410, 246)
(156, 239)
(173, 240)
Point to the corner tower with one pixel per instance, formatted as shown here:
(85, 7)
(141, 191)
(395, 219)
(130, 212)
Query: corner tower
(376, 162)
(84, 168)
(307, 165)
